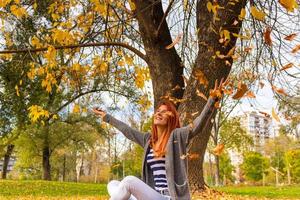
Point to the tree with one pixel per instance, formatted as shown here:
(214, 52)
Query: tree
(226, 168)
(146, 30)
(254, 166)
(293, 159)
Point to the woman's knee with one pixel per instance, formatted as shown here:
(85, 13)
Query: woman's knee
(130, 180)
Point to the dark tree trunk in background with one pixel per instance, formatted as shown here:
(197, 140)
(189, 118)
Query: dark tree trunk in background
(166, 69)
(46, 163)
(7, 156)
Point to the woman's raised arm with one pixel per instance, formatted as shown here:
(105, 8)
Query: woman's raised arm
(132, 134)
(204, 118)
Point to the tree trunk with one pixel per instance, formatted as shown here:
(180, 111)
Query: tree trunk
(7, 156)
(165, 65)
(46, 154)
(64, 168)
(46, 163)
(217, 175)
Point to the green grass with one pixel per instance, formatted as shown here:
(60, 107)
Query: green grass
(12, 188)
(263, 191)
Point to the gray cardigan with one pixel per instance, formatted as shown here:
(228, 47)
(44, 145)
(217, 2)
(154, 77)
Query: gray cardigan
(176, 162)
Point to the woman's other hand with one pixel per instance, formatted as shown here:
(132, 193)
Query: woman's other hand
(99, 112)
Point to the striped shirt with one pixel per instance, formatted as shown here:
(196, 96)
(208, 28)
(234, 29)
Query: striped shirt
(158, 168)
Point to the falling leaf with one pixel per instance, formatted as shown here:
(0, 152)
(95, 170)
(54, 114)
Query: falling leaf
(290, 5)
(242, 14)
(279, 90)
(193, 156)
(200, 94)
(257, 14)
(218, 150)
(242, 89)
(264, 113)
(17, 90)
(250, 94)
(177, 39)
(296, 48)
(267, 36)
(290, 37)
(275, 116)
(199, 75)
(287, 66)
(76, 108)
(261, 84)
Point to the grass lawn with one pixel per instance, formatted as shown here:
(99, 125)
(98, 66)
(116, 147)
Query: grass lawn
(289, 192)
(10, 189)
(45, 190)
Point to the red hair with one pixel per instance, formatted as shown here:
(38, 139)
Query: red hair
(159, 144)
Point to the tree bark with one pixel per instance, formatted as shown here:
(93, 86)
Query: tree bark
(213, 69)
(7, 156)
(165, 65)
(217, 176)
(46, 163)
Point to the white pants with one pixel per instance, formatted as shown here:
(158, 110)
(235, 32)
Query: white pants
(132, 188)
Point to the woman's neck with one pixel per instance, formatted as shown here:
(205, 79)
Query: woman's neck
(160, 130)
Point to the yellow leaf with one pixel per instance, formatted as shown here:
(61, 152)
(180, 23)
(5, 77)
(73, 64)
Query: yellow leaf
(19, 12)
(274, 115)
(209, 6)
(17, 90)
(257, 14)
(4, 3)
(290, 5)
(242, 14)
(76, 108)
(132, 5)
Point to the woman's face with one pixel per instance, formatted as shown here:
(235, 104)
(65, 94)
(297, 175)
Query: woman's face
(161, 116)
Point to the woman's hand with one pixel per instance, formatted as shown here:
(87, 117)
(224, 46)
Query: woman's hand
(99, 112)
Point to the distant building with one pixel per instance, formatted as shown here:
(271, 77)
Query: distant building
(260, 126)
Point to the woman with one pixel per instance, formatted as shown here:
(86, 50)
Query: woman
(165, 148)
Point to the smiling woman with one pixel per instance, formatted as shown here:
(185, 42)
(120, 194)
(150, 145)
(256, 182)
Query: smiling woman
(165, 148)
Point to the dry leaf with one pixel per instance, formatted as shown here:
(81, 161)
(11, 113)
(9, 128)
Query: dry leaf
(250, 94)
(201, 77)
(274, 115)
(264, 113)
(177, 39)
(218, 150)
(296, 48)
(267, 36)
(257, 14)
(200, 94)
(290, 5)
(289, 65)
(261, 84)
(279, 90)
(290, 37)
(193, 156)
(242, 89)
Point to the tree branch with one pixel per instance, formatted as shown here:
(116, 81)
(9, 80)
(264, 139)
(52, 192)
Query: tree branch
(164, 17)
(134, 50)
